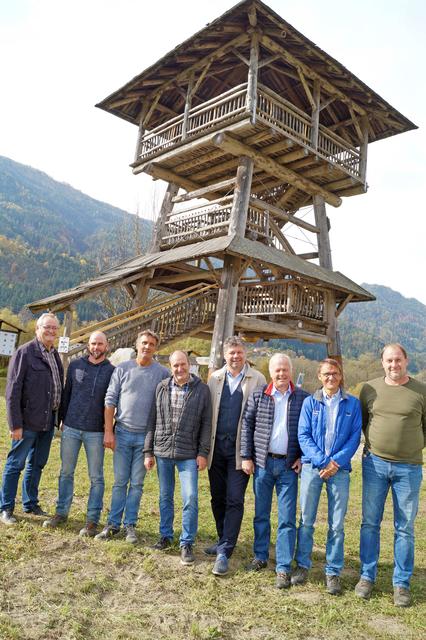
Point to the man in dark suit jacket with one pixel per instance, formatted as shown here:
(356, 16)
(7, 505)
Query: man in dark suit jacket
(33, 395)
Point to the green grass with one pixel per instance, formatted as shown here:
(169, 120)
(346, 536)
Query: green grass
(54, 585)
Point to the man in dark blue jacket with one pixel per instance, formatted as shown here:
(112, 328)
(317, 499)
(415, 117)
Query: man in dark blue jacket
(329, 435)
(82, 413)
(33, 395)
(270, 449)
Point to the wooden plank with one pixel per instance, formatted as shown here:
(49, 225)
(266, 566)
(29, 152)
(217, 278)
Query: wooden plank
(224, 141)
(252, 76)
(343, 305)
(324, 249)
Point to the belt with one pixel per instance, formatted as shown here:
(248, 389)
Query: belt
(279, 456)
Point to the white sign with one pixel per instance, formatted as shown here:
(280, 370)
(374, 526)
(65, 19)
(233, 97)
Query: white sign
(64, 344)
(7, 342)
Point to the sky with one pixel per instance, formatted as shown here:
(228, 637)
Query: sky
(59, 58)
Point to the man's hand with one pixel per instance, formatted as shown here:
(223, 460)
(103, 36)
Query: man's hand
(201, 463)
(248, 467)
(297, 466)
(109, 440)
(149, 462)
(17, 434)
(330, 470)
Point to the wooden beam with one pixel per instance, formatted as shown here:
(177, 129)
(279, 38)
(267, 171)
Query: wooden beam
(265, 327)
(306, 88)
(308, 256)
(324, 249)
(343, 304)
(240, 204)
(230, 145)
(184, 277)
(310, 73)
(277, 232)
(199, 193)
(278, 213)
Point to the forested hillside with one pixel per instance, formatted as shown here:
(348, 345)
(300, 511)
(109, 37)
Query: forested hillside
(52, 236)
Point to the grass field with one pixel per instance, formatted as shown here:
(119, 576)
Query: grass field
(55, 585)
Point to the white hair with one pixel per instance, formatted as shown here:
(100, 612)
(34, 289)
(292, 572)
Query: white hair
(41, 319)
(280, 356)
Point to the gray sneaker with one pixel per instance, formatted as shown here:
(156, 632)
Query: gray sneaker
(55, 521)
(333, 585)
(221, 565)
(131, 534)
(299, 576)
(283, 580)
(364, 588)
(211, 550)
(187, 555)
(7, 518)
(89, 530)
(401, 597)
(108, 533)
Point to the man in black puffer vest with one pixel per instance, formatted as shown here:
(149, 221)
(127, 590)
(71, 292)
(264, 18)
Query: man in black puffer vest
(270, 449)
(179, 437)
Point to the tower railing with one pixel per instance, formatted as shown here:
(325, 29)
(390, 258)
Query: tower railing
(271, 109)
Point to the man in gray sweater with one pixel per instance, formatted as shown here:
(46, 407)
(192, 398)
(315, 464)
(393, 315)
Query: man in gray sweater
(179, 437)
(128, 403)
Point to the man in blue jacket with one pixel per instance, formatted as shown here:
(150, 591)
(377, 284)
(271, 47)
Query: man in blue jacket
(82, 414)
(33, 395)
(329, 435)
(270, 449)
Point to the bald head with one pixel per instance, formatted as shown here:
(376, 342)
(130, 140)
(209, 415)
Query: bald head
(179, 364)
(97, 347)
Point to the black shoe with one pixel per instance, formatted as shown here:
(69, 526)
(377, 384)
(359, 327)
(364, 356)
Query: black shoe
(186, 555)
(212, 550)
(163, 543)
(36, 511)
(257, 565)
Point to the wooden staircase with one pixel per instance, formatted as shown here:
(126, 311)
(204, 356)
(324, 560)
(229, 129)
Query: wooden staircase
(184, 313)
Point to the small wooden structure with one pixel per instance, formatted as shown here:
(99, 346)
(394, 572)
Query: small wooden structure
(247, 121)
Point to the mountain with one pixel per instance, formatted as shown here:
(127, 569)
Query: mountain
(53, 236)
(365, 327)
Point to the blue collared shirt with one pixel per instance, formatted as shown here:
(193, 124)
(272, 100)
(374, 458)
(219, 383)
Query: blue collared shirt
(234, 381)
(332, 408)
(279, 436)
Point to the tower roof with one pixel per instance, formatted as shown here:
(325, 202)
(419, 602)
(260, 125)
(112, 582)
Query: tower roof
(221, 48)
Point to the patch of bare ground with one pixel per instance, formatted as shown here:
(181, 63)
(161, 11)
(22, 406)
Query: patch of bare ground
(307, 597)
(389, 626)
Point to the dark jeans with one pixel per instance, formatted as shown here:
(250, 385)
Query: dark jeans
(227, 488)
(33, 449)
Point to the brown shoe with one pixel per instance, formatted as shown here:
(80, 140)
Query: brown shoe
(89, 530)
(401, 597)
(364, 588)
(55, 521)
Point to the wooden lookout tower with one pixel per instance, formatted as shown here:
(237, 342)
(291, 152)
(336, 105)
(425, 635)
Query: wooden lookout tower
(248, 122)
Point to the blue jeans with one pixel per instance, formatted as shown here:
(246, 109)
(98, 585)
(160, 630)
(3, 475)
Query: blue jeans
(129, 476)
(188, 476)
(285, 482)
(337, 488)
(378, 476)
(71, 442)
(34, 449)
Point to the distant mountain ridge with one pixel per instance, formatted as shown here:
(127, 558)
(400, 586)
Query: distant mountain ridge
(52, 236)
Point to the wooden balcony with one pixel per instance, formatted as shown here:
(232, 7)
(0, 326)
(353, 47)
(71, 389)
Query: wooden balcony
(211, 221)
(184, 144)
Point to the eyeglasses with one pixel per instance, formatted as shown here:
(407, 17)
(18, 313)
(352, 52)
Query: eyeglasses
(50, 327)
(334, 374)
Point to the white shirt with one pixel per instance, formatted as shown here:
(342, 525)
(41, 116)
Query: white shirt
(234, 381)
(279, 436)
(332, 408)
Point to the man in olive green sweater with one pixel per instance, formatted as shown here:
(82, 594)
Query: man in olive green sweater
(394, 425)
